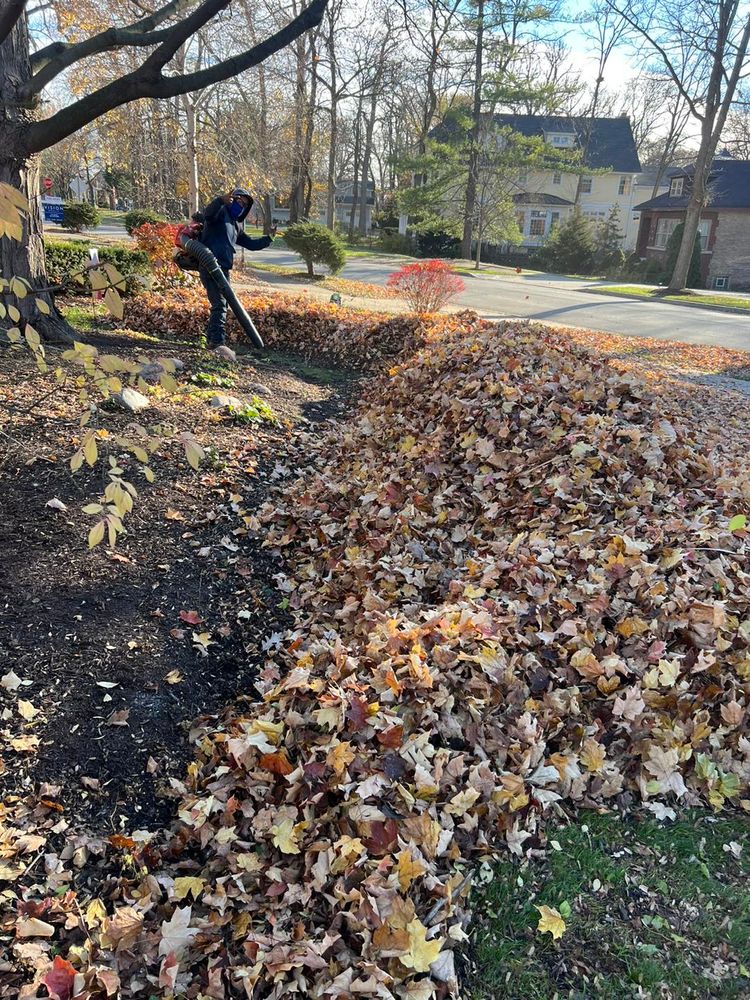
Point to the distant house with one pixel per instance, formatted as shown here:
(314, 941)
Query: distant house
(343, 205)
(724, 226)
(545, 198)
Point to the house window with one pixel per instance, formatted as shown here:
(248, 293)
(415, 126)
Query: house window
(664, 229)
(721, 282)
(585, 185)
(675, 187)
(556, 178)
(554, 219)
(704, 231)
(624, 187)
(521, 222)
(538, 225)
(523, 176)
(562, 141)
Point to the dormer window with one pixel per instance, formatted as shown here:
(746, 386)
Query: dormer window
(676, 186)
(563, 140)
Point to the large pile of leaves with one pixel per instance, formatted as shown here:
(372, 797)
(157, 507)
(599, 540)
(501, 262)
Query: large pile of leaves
(521, 587)
(292, 323)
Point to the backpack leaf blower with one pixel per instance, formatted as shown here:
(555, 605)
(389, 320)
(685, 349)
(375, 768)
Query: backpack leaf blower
(200, 257)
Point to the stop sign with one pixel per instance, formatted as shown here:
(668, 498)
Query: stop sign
(47, 183)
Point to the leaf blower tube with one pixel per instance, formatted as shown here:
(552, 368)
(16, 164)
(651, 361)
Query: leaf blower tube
(209, 263)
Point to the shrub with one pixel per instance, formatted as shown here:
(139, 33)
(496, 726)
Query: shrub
(570, 247)
(156, 240)
(316, 245)
(694, 279)
(64, 259)
(435, 243)
(426, 285)
(137, 216)
(395, 242)
(78, 215)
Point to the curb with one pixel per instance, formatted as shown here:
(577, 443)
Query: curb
(736, 310)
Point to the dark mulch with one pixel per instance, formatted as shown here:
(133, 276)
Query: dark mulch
(73, 621)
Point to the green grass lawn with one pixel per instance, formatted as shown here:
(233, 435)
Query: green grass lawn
(112, 217)
(697, 298)
(655, 910)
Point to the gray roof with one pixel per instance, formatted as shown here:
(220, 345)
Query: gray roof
(610, 146)
(610, 140)
(530, 198)
(728, 185)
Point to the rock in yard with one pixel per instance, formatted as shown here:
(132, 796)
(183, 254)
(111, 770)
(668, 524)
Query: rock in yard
(221, 401)
(154, 370)
(131, 399)
(258, 389)
(225, 353)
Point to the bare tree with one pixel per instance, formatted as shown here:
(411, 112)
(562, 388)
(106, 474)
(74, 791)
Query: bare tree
(24, 75)
(705, 56)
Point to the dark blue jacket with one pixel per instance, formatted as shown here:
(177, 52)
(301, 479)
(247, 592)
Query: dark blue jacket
(222, 234)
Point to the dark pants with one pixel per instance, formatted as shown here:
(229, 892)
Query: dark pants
(217, 320)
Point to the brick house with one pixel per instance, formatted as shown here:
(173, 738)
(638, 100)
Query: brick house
(724, 227)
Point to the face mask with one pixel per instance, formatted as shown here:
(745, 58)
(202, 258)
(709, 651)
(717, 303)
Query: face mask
(236, 208)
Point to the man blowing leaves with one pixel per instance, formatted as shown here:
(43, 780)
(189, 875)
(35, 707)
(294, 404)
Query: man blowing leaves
(222, 234)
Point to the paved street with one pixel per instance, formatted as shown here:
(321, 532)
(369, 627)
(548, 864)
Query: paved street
(565, 301)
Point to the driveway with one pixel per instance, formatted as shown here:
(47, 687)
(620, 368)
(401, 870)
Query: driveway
(555, 299)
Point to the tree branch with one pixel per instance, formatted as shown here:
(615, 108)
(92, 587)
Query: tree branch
(137, 85)
(50, 61)
(179, 34)
(10, 13)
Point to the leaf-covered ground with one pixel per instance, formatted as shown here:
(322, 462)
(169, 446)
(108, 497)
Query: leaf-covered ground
(518, 576)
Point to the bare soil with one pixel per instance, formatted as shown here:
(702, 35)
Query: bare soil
(114, 669)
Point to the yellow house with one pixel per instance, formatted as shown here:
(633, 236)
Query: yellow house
(544, 198)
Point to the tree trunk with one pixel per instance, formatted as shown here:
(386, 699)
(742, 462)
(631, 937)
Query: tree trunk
(331, 193)
(471, 180)
(24, 259)
(191, 137)
(695, 205)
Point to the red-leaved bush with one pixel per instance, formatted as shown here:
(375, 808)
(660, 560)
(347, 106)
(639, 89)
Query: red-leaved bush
(426, 285)
(157, 239)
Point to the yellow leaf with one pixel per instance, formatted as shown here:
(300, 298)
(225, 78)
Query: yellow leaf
(116, 279)
(632, 626)
(422, 953)
(550, 921)
(194, 454)
(92, 508)
(90, 451)
(592, 756)
(95, 913)
(113, 302)
(97, 279)
(14, 313)
(173, 677)
(188, 885)
(76, 461)
(27, 710)
(96, 534)
(285, 837)
(408, 870)
(42, 306)
(149, 473)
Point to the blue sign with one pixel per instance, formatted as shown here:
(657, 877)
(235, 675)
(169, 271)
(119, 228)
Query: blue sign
(52, 213)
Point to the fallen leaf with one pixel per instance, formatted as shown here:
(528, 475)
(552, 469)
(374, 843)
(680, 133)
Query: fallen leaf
(27, 710)
(33, 927)
(173, 677)
(421, 953)
(176, 934)
(550, 921)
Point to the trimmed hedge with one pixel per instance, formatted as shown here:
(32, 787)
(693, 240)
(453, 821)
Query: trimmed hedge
(78, 215)
(65, 258)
